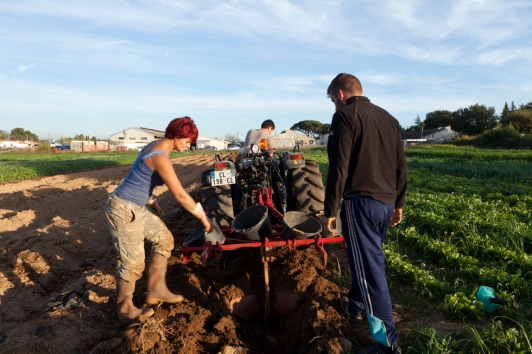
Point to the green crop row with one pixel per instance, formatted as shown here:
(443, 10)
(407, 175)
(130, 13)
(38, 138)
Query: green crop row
(468, 153)
(514, 171)
(515, 282)
(497, 337)
(467, 222)
(16, 166)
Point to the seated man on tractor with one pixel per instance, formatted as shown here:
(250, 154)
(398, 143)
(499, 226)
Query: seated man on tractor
(254, 136)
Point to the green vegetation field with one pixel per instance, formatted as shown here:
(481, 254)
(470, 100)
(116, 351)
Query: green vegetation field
(17, 166)
(467, 223)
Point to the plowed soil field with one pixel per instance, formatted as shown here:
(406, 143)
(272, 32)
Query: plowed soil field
(54, 242)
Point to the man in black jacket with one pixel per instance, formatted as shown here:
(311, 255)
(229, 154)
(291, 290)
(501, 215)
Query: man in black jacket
(367, 168)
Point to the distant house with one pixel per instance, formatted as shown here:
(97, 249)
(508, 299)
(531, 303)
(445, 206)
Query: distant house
(323, 140)
(17, 144)
(438, 136)
(290, 138)
(8, 143)
(205, 141)
(89, 146)
(136, 137)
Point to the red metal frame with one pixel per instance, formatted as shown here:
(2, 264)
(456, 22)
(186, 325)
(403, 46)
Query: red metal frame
(268, 202)
(233, 243)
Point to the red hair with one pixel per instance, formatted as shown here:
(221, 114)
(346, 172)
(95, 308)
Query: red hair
(180, 128)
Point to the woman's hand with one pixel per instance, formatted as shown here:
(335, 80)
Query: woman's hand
(200, 214)
(212, 227)
(154, 205)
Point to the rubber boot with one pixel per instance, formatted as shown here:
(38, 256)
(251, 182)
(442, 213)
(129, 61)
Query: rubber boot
(127, 312)
(157, 289)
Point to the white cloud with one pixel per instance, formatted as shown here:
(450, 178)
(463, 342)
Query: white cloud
(284, 85)
(437, 32)
(230, 57)
(501, 56)
(21, 69)
(379, 79)
(111, 108)
(109, 44)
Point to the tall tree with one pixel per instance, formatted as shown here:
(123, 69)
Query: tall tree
(326, 129)
(474, 119)
(21, 134)
(438, 119)
(505, 111)
(65, 140)
(520, 119)
(310, 128)
(231, 137)
(419, 123)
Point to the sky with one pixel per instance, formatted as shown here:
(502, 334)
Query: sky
(97, 67)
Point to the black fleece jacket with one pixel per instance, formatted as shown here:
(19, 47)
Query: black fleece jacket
(366, 156)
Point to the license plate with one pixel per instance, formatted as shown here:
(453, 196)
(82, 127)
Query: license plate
(219, 178)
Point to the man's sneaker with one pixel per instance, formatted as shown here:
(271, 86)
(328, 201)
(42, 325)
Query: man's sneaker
(376, 349)
(354, 318)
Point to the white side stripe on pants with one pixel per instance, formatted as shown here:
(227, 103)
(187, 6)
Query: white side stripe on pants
(359, 267)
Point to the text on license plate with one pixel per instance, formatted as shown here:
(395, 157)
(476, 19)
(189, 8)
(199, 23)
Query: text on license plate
(219, 178)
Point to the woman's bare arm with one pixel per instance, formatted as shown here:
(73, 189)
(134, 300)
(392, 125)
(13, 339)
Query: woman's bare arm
(164, 167)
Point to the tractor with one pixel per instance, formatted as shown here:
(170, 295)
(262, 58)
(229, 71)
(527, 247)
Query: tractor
(280, 197)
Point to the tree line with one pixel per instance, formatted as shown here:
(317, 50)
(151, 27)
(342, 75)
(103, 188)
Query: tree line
(311, 128)
(476, 119)
(19, 134)
(22, 134)
(472, 120)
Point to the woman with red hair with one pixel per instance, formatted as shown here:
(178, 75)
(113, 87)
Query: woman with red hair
(130, 219)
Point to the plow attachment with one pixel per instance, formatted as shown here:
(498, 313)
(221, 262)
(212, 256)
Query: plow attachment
(249, 308)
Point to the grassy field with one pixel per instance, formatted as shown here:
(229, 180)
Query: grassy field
(467, 223)
(17, 166)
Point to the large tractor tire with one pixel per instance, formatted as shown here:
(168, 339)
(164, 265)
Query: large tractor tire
(217, 201)
(307, 191)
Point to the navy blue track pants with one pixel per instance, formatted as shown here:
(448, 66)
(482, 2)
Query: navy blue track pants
(364, 225)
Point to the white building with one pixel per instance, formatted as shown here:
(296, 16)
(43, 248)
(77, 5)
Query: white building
(17, 144)
(89, 145)
(138, 137)
(289, 138)
(205, 141)
(440, 135)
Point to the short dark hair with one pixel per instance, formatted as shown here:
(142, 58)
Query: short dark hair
(268, 123)
(180, 128)
(346, 82)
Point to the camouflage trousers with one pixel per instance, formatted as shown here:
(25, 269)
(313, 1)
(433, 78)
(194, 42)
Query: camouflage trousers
(130, 224)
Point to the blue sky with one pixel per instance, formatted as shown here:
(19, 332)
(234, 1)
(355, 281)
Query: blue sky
(97, 67)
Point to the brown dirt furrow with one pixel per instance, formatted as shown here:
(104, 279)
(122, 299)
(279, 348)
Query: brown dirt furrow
(54, 239)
